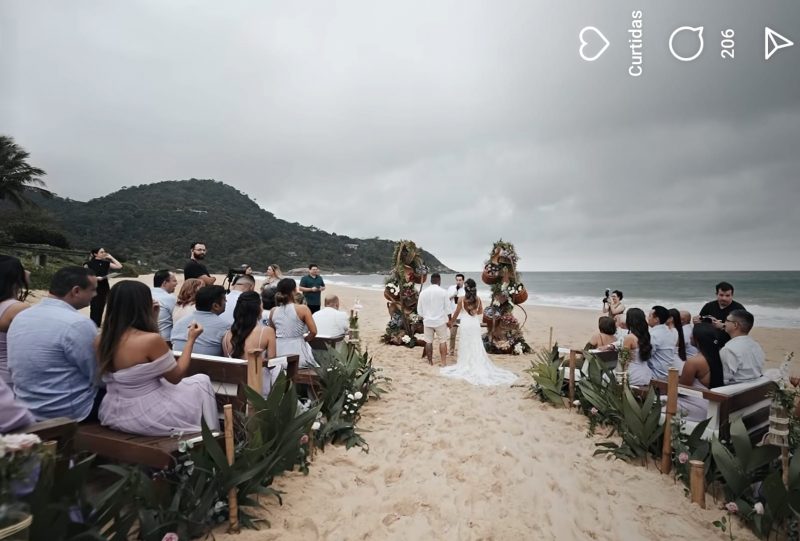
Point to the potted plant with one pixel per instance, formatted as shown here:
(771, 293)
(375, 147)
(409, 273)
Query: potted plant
(20, 461)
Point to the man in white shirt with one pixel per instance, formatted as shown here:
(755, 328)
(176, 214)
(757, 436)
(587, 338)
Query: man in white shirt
(242, 283)
(664, 342)
(742, 358)
(164, 284)
(330, 321)
(454, 293)
(434, 307)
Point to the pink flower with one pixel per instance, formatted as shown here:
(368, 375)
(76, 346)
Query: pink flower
(683, 458)
(171, 536)
(593, 411)
(304, 439)
(732, 507)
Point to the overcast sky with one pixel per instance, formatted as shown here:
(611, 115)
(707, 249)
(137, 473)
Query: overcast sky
(448, 123)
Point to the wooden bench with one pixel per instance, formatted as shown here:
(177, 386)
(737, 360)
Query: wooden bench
(61, 431)
(747, 401)
(308, 376)
(227, 376)
(572, 372)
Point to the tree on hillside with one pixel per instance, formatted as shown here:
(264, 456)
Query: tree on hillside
(17, 176)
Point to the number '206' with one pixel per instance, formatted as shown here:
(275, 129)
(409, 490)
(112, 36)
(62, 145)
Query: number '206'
(727, 44)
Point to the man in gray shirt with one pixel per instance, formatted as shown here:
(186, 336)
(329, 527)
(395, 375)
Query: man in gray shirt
(742, 358)
(209, 304)
(164, 284)
(664, 342)
(51, 350)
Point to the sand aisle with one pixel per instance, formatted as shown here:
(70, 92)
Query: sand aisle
(451, 461)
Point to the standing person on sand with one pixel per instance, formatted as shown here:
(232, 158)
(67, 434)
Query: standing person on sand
(455, 293)
(312, 285)
(434, 307)
(195, 269)
(100, 262)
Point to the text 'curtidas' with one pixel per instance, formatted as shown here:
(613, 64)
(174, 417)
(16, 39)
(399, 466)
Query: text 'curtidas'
(635, 41)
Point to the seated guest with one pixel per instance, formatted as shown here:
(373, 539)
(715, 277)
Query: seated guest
(185, 303)
(241, 284)
(606, 334)
(716, 311)
(13, 290)
(742, 357)
(638, 342)
(248, 333)
(294, 326)
(146, 391)
(702, 371)
(210, 303)
(614, 306)
(51, 350)
(164, 283)
(622, 328)
(674, 323)
(686, 322)
(664, 341)
(330, 321)
(13, 415)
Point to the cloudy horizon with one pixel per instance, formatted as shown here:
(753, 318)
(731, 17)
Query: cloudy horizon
(448, 123)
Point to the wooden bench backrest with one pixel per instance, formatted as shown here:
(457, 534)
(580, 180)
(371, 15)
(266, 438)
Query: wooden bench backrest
(321, 343)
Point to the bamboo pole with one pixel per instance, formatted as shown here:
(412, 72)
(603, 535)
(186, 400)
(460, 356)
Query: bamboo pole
(672, 407)
(550, 342)
(233, 504)
(697, 482)
(255, 378)
(571, 377)
(785, 466)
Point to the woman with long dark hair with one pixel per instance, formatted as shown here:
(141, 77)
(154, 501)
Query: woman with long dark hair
(674, 322)
(13, 291)
(248, 333)
(638, 342)
(473, 364)
(146, 389)
(294, 326)
(703, 371)
(100, 262)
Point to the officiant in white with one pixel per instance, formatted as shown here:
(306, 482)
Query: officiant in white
(454, 293)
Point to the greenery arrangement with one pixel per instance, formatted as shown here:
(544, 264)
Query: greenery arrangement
(408, 270)
(499, 271)
(548, 379)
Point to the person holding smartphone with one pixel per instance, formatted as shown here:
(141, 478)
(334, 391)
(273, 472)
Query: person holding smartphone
(454, 293)
(101, 262)
(716, 311)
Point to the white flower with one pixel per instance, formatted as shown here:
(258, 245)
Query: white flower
(20, 442)
(576, 403)
(350, 396)
(315, 426)
(359, 395)
(759, 508)
(518, 348)
(406, 339)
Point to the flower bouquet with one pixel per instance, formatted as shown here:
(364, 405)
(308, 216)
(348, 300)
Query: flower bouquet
(392, 291)
(491, 273)
(20, 462)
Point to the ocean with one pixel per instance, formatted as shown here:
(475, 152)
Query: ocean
(772, 296)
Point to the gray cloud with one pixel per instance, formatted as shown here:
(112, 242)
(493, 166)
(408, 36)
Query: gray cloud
(450, 123)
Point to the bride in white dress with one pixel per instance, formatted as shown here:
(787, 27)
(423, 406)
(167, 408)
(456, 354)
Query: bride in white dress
(473, 363)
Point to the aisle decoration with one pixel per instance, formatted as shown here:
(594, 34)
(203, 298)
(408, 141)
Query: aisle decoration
(504, 333)
(408, 271)
(20, 462)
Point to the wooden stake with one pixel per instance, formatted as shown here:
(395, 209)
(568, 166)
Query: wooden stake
(672, 407)
(785, 466)
(255, 368)
(550, 342)
(233, 504)
(571, 377)
(697, 482)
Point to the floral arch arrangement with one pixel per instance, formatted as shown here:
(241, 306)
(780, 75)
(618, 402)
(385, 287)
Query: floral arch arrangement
(500, 272)
(408, 271)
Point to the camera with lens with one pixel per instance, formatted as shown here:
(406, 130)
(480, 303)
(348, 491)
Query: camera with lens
(608, 293)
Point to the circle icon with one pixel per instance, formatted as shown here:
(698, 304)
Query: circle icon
(697, 31)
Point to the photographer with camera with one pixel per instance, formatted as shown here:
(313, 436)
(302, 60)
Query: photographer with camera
(454, 293)
(612, 303)
(240, 283)
(717, 311)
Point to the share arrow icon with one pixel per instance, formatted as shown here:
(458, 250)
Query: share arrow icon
(774, 42)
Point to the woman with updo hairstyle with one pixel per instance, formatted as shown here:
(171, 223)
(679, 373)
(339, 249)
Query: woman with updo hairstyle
(248, 333)
(638, 342)
(185, 303)
(702, 371)
(147, 390)
(294, 326)
(13, 291)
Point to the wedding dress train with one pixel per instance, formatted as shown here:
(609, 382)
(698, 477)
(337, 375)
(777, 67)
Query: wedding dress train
(473, 363)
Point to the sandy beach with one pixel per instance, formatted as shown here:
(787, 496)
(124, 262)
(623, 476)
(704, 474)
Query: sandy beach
(448, 460)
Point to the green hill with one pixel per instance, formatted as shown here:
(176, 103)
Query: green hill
(156, 223)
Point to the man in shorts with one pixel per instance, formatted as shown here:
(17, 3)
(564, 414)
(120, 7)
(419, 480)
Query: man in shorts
(434, 307)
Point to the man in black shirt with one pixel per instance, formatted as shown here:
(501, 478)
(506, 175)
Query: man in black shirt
(716, 311)
(195, 269)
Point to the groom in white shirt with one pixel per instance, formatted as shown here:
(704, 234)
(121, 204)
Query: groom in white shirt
(434, 307)
(454, 293)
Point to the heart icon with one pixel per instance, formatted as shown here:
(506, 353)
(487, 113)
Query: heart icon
(592, 31)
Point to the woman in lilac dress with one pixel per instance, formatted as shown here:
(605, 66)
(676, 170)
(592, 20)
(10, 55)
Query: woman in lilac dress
(294, 326)
(13, 290)
(638, 341)
(146, 391)
(702, 371)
